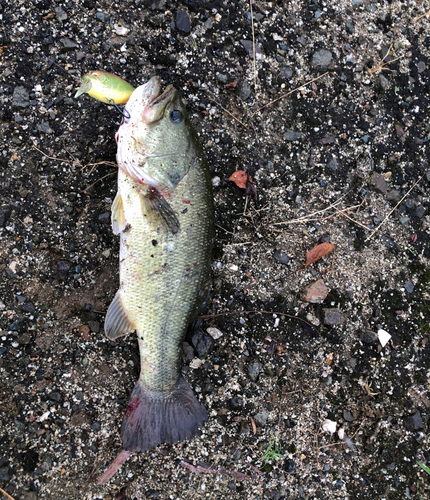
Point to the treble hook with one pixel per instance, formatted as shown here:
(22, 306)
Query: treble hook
(125, 114)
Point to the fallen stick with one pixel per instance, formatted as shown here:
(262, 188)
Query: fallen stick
(200, 469)
(114, 466)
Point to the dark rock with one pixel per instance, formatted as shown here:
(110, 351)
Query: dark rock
(414, 423)
(399, 131)
(60, 268)
(249, 47)
(369, 337)
(332, 164)
(349, 26)
(231, 486)
(409, 203)
(3, 350)
(14, 327)
(379, 183)
(28, 307)
(203, 344)
(24, 339)
(4, 215)
(381, 84)
(394, 195)
(261, 418)
(321, 59)
(292, 136)
(281, 257)
(104, 217)
(55, 396)
(68, 44)
(388, 242)
(183, 21)
(96, 426)
(47, 464)
(222, 78)
(101, 16)
(236, 403)
(421, 66)
(20, 98)
(94, 326)
(420, 211)
(409, 286)
(254, 369)
(244, 90)
(332, 317)
(347, 415)
(29, 460)
(286, 72)
(79, 418)
(4, 474)
(60, 13)
(187, 352)
(289, 466)
(45, 128)
(327, 140)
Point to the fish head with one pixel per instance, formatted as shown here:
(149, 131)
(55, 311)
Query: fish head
(155, 142)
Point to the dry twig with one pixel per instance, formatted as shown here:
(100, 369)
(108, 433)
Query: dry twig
(381, 65)
(421, 16)
(228, 112)
(6, 494)
(383, 222)
(253, 46)
(291, 92)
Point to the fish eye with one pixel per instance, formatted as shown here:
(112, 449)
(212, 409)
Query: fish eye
(176, 116)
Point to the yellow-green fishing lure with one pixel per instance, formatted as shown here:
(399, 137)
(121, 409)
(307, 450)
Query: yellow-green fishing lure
(105, 86)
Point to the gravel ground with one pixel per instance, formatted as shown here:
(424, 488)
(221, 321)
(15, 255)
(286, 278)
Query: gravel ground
(344, 159)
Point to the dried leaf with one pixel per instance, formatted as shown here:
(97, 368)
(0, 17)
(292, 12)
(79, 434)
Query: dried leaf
(231, 85)
(329, 359)
(15, 157)
(254, 427)
(317, 252)
(240, 178)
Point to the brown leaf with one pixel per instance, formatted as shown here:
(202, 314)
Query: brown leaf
(15, 157)
(254, 427)
(317, 252)
(240, 178)
(329, 359)
(231, 85)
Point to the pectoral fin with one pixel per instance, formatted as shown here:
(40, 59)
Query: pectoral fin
(117, 323)
(155, 206)
(118, 217)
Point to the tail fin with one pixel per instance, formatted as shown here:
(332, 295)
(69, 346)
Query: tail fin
(153, 417)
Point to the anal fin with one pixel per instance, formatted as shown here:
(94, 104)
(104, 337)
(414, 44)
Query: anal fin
(117, 323)
(159, 211)
(118, 216)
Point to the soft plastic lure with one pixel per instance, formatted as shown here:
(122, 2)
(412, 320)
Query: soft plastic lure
(105, 87)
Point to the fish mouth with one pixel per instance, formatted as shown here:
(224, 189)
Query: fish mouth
(157, 100)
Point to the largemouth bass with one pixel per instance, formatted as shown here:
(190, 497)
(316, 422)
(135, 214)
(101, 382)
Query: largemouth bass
(105, 86)
(164, 214)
